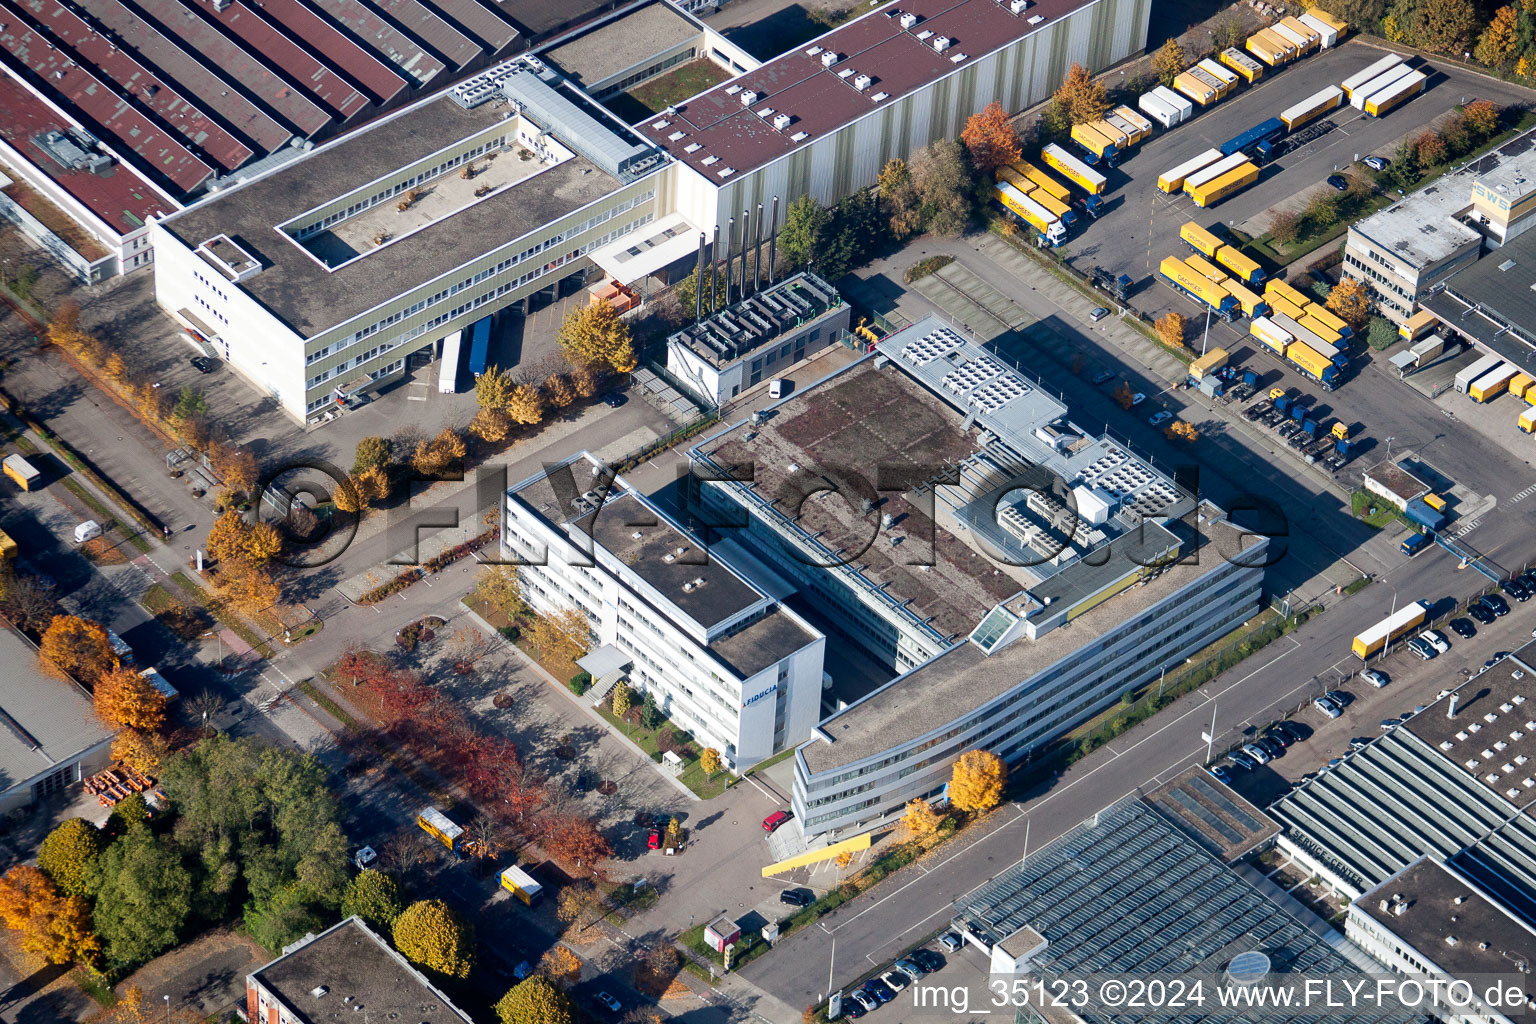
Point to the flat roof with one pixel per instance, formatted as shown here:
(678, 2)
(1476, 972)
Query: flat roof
(1493, 734)
(311, 299)
(1389, 474)
(618, 45)
(1438, 906)
(44, 720)
(119, 195)
(760, 319)
(1422, 229)
(406, 53)
(347, 967)
(766, 640)
(1494, 298)
(1212, 813)
(818, 100)
(965, 677)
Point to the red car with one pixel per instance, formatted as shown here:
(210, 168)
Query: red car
(654, 841)
(776, 819)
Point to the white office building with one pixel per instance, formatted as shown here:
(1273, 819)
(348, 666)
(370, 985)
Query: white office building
(720, 653)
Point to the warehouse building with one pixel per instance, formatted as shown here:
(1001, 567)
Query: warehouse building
(318, 280)
(1492, 303)
(945, 513)
(1427, 919)
(719, 652)
(1401, 253)
(1128, 894)
(346, 972)
(50, 737)
(1455, 782)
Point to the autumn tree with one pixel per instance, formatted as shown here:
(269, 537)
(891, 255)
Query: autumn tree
(526, 406)
(1350, 302)
(143, 751)
(431, 935)
(977, 782)
(622, 699)
(22, 888)
(247, 585)
(1323, 209)
(124, 697)
(493, 388)
(1361, 14)
(375, 897)
(1445, 26)
(990, 139)
(500, 588)
(535, 1000)
(64, 328)
(899, 199)
(1170, 329)
(1123, 395)
(576, 901)
(1168, 61)
(710, 761)
(1499, 44)
(674, 831)
(1482, 117)
(561, 965)
(1284, 226)
(562, 635)
(236, 466)
(440, 455)
(69, 853)
(1180, 430)
(1083, 99)
(596, 335)
(53, 926)
(574, 839)
(77, 646)
(945, 187)
(25, 602)
(921, 819)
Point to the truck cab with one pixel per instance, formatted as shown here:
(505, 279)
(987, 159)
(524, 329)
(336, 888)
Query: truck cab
(1414, 543)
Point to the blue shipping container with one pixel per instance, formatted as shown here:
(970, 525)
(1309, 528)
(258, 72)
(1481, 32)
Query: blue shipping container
(1265, 131)
(479, 346)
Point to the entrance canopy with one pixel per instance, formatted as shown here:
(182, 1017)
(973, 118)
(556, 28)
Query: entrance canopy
(648, 248)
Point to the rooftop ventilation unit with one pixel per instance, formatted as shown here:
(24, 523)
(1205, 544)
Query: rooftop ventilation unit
(710, 161)
(940, 43)
(1035, 19)
(877, 97)
(959, 58)
(1018, 6)
(659, 125)
(692, 147)
(828, 59)
(846, 74)
(732, 90)
(781, 122)
(862, 82)
(908, 20)
(924, 34)
(813, 51)
(748, 98)
(802, 136)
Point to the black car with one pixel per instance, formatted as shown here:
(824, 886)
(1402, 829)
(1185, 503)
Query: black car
(202, 364)
(928, 959)
(1481, 612)
(1340, 698)
(614, 401)
(1517, 590)
(1496, 604)
(797, 897)
(853, 1009)
(1529, 579)
(1243, 761)
(1294, 730)
(1275, 733)
(1338, 181)
(1270, 746)
(1463, 628)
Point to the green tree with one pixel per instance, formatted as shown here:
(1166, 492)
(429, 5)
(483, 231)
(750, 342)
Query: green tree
(650, 714)
(1168, 61)
(804, 223)
(375, 897)
(1403, 172)
(899, 200)
(493, 388)
(286, 915)
(855, 227)
(945, 185)
(372, 453)
(261, 823)
(1445, 26)
(431, 935)
(69, 853)
(143, 897)
(535, 1001)
(686, 291)
(189, 403)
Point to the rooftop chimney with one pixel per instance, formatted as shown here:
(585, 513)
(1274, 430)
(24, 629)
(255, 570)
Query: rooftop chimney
(1450, 706)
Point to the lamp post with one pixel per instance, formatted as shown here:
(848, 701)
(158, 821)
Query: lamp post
(167, 999)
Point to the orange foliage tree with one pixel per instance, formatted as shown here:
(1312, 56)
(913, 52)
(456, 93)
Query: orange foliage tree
(77, 646)
(124, 697)
(990, 139)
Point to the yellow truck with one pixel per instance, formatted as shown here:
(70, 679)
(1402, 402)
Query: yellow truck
(1205, 268)
(8, 549)
(1493, 384)
(1417, 326)
(1527, 421)
(521, 884)
(22, 472)
(1244, 65)
(1234, 181)
(1044, 182)
(1249, 301)
(1199, 239)
(1389, 630)
(1248, 271)
(1521, 384)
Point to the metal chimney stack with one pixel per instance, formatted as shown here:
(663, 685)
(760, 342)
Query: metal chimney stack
(1450, 707)
(773, 235)
(757, 252)
(698, 283)
(746, 233)
(730, 242)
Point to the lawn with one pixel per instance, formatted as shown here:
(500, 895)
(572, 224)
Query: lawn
(667, 90)
(185, 621)
(1361, 501)
(693, 775)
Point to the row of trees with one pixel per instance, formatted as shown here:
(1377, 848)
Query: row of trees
(255, 834)
(1457, 135)
(976, 785)
(1503, 38)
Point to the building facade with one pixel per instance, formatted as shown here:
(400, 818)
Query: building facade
(720, 656)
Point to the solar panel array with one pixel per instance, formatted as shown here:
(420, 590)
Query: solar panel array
(1128, 893)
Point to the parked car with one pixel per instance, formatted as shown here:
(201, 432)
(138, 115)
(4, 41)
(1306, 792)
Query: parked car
(1270, 746)
(1390, 723)
(1481, 612)
(1275, 734)
(522, 971)
(1157, 419)
(1340, 698)
(1221, 773)
(1418, 646)
(1327, 707)
(202, 364)
(853, 1009)
(895, 980)
(863, 1000)
(1376, 677)
(927, 959)
(1496, 604)
(912, 965)
(951, 941)
(797, 897)
(1297, 732)
(1137, 399)
(1359, 743)
(1436, 640)
(614, 400)
(1463, 628)
(1098, 314)
(1376, 163)
(1517, 590)
(607, 1000)
(653, 841)
(1258, 753)
(777, 818)
(1338, 181)
(879, 989)
(1103, 376)
(1529, 579)
(1242, 760)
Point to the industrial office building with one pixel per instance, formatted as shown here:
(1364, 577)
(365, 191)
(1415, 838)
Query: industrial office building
(1492, 303)
(759, 337)
(318, 280)
(1128, 894)
(1455, 783)
(719, 652)
(1427, 920)
(346, 972)
(945, 513)
(1402, 252)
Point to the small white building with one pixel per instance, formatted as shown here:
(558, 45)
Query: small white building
(720, 653)
(759, 337)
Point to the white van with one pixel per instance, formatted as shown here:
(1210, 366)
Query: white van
(779, 387)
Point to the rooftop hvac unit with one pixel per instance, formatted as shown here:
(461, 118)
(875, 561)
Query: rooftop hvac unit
(828, 59)
(1036, 19)
(862, 82)
(781, 122)
(908, 20)
(940, 43)
(1018, 6)
(748, 97)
